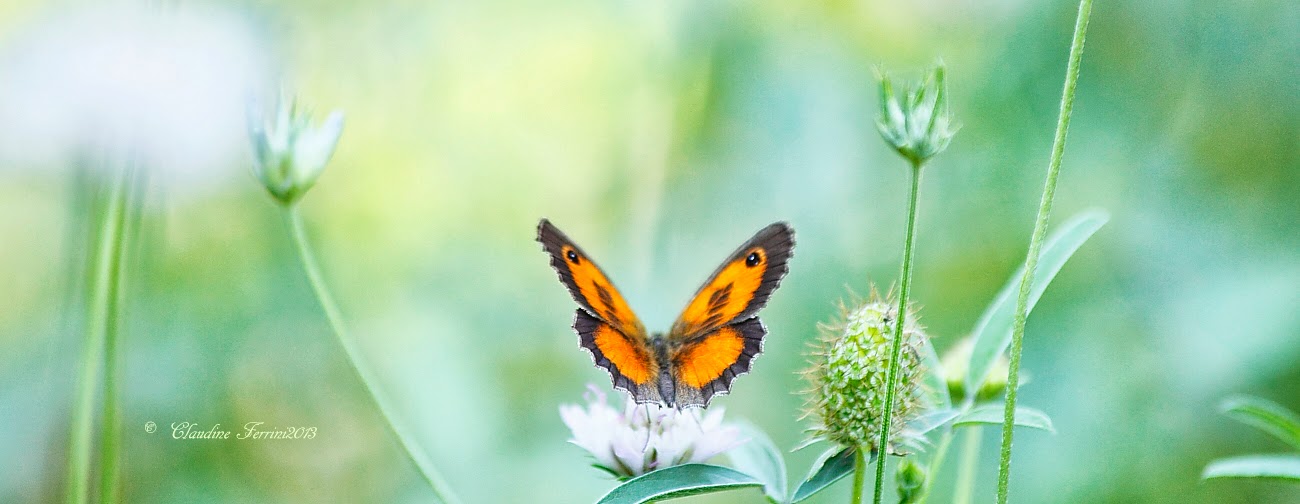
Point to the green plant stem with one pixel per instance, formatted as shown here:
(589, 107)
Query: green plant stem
(891, 380)
(859, 474)
(970, 453)
(110, 457)
(363, 371)
(936, 463)
(1036, 244)
(102, 300)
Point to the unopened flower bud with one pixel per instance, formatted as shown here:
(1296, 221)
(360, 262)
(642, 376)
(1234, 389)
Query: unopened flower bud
(289, 153)
(917, 123)
(910, 478)
(956, 363)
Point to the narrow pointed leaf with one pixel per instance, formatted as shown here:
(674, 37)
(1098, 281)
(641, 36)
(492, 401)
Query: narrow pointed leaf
(993, 331)
(1264, 415)
(933, 381)
(1268, 467)
(991, 414)
(806, 443)
(760, 458)
(678, 481)
(831, 467)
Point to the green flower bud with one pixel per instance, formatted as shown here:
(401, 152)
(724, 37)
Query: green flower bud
(910, 478)
(956, 362)
(848, 376)
(289, 153)
(917, 124)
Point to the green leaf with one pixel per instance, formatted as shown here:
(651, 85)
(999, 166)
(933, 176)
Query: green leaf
(829, 468)
(991, 414)
(934, 382)
(678, 481)
(761, 459)
(993, 331)
(1268, 467)
(932, 420)
(1264, 415)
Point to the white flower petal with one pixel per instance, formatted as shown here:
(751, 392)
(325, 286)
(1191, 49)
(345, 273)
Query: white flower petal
(314, 148)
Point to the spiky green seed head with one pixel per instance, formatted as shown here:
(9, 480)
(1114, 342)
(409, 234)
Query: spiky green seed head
(849, 372)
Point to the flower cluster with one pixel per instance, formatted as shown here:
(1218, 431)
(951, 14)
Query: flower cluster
(848, 377)
(645, 437)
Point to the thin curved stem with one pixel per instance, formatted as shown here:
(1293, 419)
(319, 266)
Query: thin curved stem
(1036, 245)
(891, 381)
(102, 301)
(363, 371)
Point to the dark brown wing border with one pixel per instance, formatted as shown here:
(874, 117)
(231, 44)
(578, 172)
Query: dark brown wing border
(586, 326)
(752, 332)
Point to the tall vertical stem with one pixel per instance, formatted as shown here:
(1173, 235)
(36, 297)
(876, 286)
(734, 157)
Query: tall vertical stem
(363, 371)
(1036, 244)
(891, 380)
(102, 300)
(110, 453)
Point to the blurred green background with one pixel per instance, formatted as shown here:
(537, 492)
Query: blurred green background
(659, 135)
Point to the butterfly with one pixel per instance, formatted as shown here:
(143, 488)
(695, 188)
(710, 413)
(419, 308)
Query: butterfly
(713, 340)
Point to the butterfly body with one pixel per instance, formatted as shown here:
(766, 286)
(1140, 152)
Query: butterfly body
(667, 389)
(713, 341)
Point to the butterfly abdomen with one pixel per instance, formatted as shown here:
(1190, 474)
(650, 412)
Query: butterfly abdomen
(667, 387)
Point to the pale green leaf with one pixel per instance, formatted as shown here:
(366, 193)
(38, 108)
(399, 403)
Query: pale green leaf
(1264, 415)
(1268, 467)
(992, 414)
(936, 386)
(993, 331)
(932, 420)
(760, 458)
(833, 465)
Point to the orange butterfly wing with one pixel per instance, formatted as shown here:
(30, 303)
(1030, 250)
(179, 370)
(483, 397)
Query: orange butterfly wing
(719, 334)
(605, 324)
(741, 286)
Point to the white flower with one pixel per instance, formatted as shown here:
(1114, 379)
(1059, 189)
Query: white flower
(645, 437)
(289, 153)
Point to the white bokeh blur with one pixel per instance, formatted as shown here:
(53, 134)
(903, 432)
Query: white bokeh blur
(167, 87)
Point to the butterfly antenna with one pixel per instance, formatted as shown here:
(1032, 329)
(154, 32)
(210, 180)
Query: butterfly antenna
(646, 446)
(695, 416)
